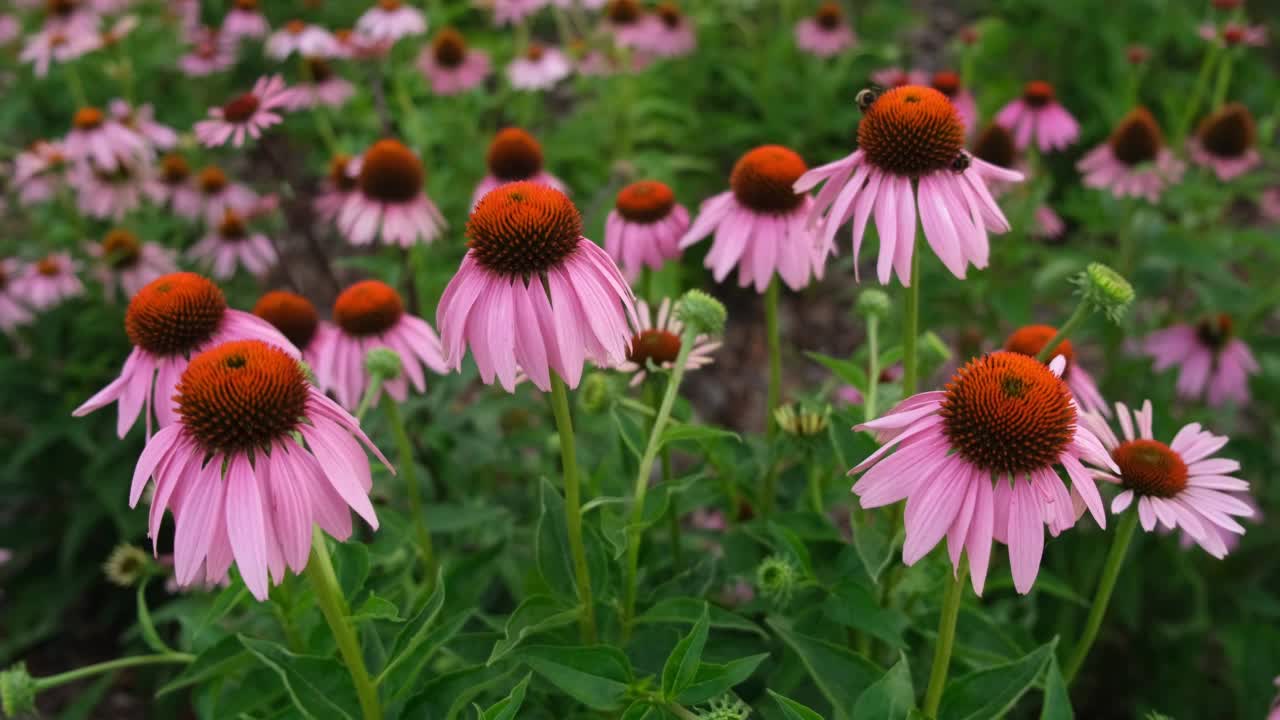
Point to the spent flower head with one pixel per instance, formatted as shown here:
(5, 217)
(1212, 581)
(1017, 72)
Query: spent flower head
(126, 565)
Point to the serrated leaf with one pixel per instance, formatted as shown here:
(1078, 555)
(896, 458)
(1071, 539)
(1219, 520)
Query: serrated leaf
(319, 687)
(537, 614)
(857, 606)
(841, 674)
(792, 710)
(506, 708)
(686, 611)
(873, 548)
(892, 697)
(597, 676)
(1057, 701)
(351, 565)
(401, 674)
(223, 659)
(376, 608)
(992, 692)
(714, 680)
(682, 664)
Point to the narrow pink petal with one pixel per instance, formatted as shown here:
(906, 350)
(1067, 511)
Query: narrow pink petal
(156, 448)
(245, 525)
(978, 543)
(1026, 536)
(1082, 482)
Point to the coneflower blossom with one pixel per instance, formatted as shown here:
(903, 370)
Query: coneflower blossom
(1134, 162)
(624, 20)
(306, 40)
(296, 318)
(39, 171)
(1038, 117)
(322, 87)
(57, 43)
(645, 227)
(141, 120)
(896, 77)
(211, 52)
(217, 195)
(1234, 34)
(172, 184)
(230, 244)
(760, 223)
(126, 262)
(389, 200)
(1029, 340)
(49, 281)
(671, 32)
(245, 115)
(13, 313)
(533, 294)
(109, 194)
(280, 458)
(354, 45)
(948, 83)
(977, 462)
(371, 315)
(10, 29)
(390, 20)
(245, 20)
(337, 186)
(657, 341)
(104, 141)
(514, 156)
(511, 12)
(168, 322)
(1212, 362)
(911, 154)
(1181, 485)
(450, 66)
(826, 33)
(1225, 142)
(1047, 223)
(539, 68)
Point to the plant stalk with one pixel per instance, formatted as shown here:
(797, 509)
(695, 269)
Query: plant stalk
(324, 583)
(573, 507)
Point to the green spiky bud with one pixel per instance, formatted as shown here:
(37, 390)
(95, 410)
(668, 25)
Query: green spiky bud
(702, 313)
(726, 707)
(17, 691)
(598, 393)
(383, 363)
(1105, 290)
(873, 302)
(776, 579)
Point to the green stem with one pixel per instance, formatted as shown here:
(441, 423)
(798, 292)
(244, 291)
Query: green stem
(366, 401)
(53, 681)
(1081, 312)
(77, 85)
(946, 640)
(775, 354)
(1224, 81)
(410, 475)
(573, 507)
(673, 513)
(635, 527)
(769, 487)
(873, 368)
(1110, 571)
(324, 583)
(815, 487)
(1197, 91)
(911, 327)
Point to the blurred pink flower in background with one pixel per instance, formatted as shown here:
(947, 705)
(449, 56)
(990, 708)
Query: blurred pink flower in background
(514, 156)
(127, 263)
(303, 39)
(245, 20)
(1225, 142)
(1212, 362)
(245, 115)
(671, 32)
(1134, 162)
(141, 120)
(450, 66)
(645, 227)
(658, 339)
(104, 141)
(321, 87)
(389, 200)
(39, 171)
(211, 52)
(390, 20)
(826, 32)
(1038, 117)
(13, 313)
(49, 281)
(540, 67)
(229, 244)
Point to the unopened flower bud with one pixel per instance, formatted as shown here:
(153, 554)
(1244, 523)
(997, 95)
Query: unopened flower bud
(776, 579)
(1105, 290)
(126, 565)
(17, 691)
(801, 421)
(383, 363)
(598, 393)
(726, 707)
(873, 302)
(702, 313)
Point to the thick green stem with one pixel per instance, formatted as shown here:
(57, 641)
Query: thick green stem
(53, 681)
(946, 641)
(1110, 571)
(1078, 316)
(573, 507)
(1197, 91)
(873, 369)
(769, 487)
(324, 583)
(673, 514)
(911, 328)
(635, 527)
(816, 471)
(1224, 81)
(775, 354)
(410, 474)
(366, 400)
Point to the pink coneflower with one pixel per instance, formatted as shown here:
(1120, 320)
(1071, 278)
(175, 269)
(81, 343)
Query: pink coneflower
(113, 194)
(245, 20)
(306, 40)
(12, 311)
(210, 53)
(322, 87)
(538, 69)
(10, 29)
(245, 115)
(1029, 340)
(1225, 142)
(142, 121)
(1180, 484)
(126, 262)
(512, 12)
(296, 318)
(533, 294)
(896, 77)
(625, 22)
(1134, 162)
(826, 33)
(169, 321)
(671, 32)
(337, 186)
(514, 156)
(218, 194)
(976, 462)
(1037, 116)
(230, 244)
(118, 31)
(354, 45)
(39, 171)
(1212, 362)
(1269, 204)
(451, 67)
(948, 83)
(911, 153)
(172, 184)
(390, 20)
(389, 200)
(49, 282)
(657, 341)
(104, 141)
(1233, 34)
(57, 43)
(244, 405)
(760, 223)
(371, 315)
(645, 227)
(1048, 224)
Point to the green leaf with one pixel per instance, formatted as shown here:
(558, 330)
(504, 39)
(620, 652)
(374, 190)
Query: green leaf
(891, 697)
(855, 605)
(415, 632)
(697, 433)
(841, 674)
(645, 710)
(873, 548)
(846, 370)
(551, 543)
(145, 624)
(537, 614)
(682, 664)
(1046, 582)
(596, 676)
(792, 710)
(715, 680)
(686, 611)
(351, 564)
(319, 687)
(992, 692)
(506, 708)
(401, 674)
(376, 608)
(226, 657)
(1057, 701)
(452, 518)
